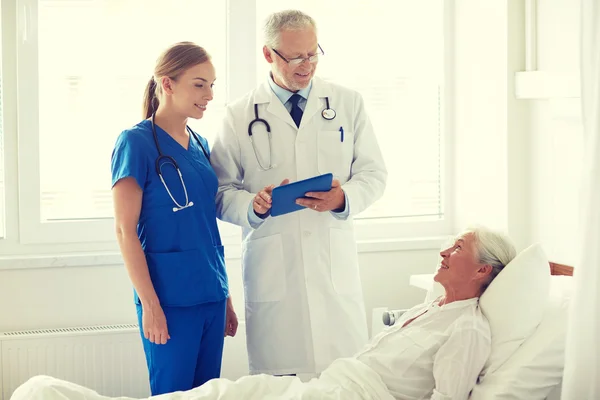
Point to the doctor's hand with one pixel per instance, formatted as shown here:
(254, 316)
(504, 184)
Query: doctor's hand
(154, 324)
(332, 200)
(231, 321)
(262, 200)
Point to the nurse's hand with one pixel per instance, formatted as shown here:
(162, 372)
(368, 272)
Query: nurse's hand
(262, 200)
(154, 324)
(231, 321)
(332, 200)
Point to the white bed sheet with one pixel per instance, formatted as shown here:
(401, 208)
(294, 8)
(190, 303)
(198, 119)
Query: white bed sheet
(345, 379)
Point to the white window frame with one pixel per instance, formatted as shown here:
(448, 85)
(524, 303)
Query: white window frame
(242, 50)
(32, 229)
(2, 149)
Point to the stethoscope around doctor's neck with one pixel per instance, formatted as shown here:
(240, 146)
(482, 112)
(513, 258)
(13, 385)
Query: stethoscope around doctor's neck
(170, 160)
(327, 113)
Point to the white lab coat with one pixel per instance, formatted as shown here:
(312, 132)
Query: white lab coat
(303, 293)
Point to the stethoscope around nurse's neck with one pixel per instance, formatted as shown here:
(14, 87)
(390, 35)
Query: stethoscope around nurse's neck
(327, 113)
(171, 160)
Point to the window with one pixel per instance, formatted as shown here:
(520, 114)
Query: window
(393, 54)
(92, 60)
(82, 67)
(91, 85)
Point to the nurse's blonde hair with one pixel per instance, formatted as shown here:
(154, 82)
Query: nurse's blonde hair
(285, 20)
(171, 63)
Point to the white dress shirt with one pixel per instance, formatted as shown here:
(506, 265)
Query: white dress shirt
(437, 356)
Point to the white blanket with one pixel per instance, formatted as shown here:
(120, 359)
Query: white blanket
(345, 379)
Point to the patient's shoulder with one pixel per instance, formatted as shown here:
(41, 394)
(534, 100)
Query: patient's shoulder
(473, 319)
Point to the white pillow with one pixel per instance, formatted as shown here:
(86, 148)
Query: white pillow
(515, 302)
(536, 368)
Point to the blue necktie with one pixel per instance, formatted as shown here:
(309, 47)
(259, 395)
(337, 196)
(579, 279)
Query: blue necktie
(296, 112)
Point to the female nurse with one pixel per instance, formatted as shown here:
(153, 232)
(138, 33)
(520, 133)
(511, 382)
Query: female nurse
(164, 192)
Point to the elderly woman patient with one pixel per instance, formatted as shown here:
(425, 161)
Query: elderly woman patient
(435, 351)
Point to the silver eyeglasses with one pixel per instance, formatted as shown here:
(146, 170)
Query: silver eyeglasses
(297, 61)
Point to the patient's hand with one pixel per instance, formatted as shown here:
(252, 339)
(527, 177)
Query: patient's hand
(154, 324)
(231, 321)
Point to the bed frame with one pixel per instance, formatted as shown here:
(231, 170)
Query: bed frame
(561, 269)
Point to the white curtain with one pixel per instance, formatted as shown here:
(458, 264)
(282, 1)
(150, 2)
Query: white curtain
(582, 363)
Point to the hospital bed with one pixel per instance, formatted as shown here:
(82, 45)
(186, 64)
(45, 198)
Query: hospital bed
(528, 327)
(526, 306)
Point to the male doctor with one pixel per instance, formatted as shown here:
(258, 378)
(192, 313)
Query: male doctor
(304, 301)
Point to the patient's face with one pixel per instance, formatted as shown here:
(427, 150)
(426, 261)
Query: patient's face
(460, 266)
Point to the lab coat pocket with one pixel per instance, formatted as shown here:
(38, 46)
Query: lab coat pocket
(335, 153)
(264, 269)
(179, 278)
(345, 274)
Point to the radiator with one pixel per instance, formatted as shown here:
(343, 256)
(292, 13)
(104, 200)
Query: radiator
(108, 359)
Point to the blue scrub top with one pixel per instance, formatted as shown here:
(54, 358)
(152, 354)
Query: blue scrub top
(183, 249)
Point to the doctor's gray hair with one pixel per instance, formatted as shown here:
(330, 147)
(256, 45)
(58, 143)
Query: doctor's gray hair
(173, 62)
(492, 248)
(285, 20)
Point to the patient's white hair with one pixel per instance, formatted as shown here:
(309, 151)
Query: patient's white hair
(285, 20)
(492, 248)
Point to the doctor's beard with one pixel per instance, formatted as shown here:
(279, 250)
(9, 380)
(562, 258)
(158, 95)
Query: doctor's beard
(294, 83)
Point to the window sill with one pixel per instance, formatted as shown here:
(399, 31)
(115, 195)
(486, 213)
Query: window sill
(60, 260)
(113, 258)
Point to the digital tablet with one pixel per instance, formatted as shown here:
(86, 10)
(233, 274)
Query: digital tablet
(284, 197)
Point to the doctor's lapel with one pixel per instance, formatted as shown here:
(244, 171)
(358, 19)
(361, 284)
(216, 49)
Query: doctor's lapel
(316, 100)
(275, 107)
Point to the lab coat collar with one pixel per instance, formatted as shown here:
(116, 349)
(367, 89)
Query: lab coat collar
(319, 89)
(283, 94)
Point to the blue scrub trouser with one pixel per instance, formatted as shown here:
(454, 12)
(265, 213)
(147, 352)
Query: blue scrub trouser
(193, 354)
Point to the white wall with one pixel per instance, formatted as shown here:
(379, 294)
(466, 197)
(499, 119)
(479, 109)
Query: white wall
(492, 173)
(557, 136)
(517, 162)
